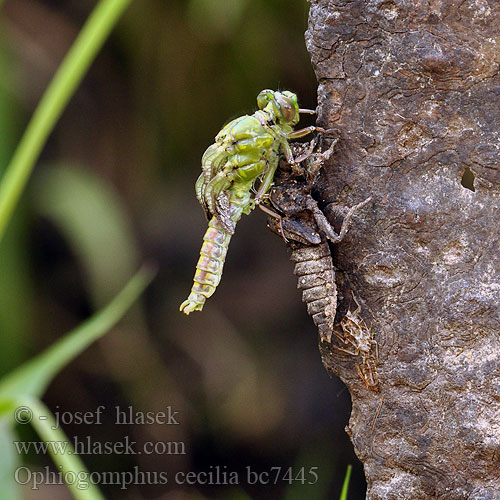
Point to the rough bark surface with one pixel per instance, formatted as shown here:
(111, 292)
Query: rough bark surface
(414, 88)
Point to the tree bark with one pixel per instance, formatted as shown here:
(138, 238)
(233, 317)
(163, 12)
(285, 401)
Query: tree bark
(414, 89)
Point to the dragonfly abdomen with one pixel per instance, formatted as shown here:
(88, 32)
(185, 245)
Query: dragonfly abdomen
(209, 267)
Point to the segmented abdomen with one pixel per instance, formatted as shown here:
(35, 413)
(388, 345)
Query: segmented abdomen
(316, 278)
(209, 268)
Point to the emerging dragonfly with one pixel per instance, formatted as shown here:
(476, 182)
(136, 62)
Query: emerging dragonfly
(245, 152)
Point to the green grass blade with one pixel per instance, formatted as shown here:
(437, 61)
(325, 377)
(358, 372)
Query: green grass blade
(345, 486)
(69, 463)
(68, 76)
(32, 378)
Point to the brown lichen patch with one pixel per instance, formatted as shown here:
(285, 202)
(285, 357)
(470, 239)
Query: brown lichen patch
(458, 125)
(389, 10)
(412, 138)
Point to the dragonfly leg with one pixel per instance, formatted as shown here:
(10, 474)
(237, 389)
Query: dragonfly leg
(267, 181)
(308, 130)
(272, 213)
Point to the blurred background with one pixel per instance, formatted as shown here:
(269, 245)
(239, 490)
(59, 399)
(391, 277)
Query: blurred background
(114, 188)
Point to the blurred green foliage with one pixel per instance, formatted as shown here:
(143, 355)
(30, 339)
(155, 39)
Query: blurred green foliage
(73, 199)
(15, 289)
(23, 386)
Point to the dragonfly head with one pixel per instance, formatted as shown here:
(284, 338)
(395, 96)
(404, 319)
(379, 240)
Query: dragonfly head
(282, 106)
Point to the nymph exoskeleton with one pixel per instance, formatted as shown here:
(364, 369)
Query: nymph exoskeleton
(306, 229)
(360, 337)
(246, 151)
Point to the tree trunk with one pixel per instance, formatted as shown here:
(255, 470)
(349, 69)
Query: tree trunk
(414, 89)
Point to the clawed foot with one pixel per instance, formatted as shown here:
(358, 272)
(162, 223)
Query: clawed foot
(277, 216)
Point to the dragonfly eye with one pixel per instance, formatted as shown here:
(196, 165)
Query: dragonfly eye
(287, 107)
